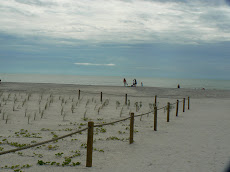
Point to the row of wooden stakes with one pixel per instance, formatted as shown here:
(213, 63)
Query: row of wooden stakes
(89, 155)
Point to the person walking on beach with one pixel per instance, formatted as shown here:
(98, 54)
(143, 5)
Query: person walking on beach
(124, 81)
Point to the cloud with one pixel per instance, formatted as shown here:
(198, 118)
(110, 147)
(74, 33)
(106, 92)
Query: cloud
(147, 68)
(94, 64)
(135, 21)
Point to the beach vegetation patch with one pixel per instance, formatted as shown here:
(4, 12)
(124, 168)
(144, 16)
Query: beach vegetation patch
(59, 154)
(38, 155)
(99, 150)
(17, 167)
(51, 147)
(84, 145)
(101, 130)
(99, 119)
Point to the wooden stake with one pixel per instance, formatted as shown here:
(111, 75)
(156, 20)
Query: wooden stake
(131, 128)
(79, 93)
(89, 155)
(183, 104)
(177, 107)
(101, 96)
(168, 109)
(188, 103)
(155, 118)
(155, 100)
(125, 99)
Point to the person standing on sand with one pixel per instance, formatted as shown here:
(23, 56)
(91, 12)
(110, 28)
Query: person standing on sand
(124, 81)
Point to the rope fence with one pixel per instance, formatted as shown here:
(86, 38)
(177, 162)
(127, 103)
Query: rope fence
(91, 126)
(41, 143)
(111, 123)
(110, 94)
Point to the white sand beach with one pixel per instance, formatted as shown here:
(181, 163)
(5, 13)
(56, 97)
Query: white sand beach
(196, 140)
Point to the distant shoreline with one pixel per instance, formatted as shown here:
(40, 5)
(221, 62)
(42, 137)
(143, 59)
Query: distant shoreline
(119, 90)
(117, 81)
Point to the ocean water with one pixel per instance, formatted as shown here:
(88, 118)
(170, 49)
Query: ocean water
(117, 81)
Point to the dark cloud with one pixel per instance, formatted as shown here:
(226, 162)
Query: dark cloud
(201, 2)
(164, 1)
(228, 2)
(216, 19)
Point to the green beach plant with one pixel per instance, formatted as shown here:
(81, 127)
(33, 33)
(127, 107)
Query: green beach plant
(26, 112)
(72, 108)
(7, 118)
(28, 119)
(121, 111)
(64, 115)
(42, 113)
(117, 104)
(35, 115)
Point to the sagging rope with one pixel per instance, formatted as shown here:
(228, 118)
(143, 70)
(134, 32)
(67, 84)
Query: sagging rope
(88, 92)
(110, 123)
(41, 143)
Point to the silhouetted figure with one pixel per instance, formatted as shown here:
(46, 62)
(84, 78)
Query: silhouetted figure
(124, 81)
(134, 83)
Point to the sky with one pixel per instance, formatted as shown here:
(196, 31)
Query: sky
(139, 38)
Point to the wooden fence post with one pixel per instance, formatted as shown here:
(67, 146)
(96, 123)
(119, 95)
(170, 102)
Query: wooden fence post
(79, 93)
(125, 99)
(131, 128)
(101, 97)
(168, 109)
(183, 104)
(155, 118)
(155, 100)
(188, 103)
(89, 155)
(177, 107)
